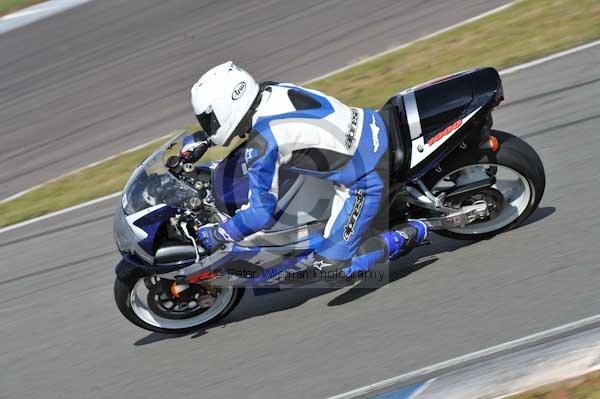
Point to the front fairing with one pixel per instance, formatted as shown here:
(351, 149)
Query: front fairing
(135, 234)
(151, 196)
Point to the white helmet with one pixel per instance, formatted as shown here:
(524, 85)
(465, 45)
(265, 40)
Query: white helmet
(222, 98)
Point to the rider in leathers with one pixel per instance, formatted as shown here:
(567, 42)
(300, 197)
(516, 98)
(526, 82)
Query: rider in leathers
(309, 133)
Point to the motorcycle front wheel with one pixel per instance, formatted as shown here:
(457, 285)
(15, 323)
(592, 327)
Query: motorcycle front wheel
(149, 303)
(518, 189)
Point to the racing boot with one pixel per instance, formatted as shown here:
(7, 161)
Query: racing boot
(409, 236)
(388, 246)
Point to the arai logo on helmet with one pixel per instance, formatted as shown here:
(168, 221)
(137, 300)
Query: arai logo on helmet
(238, 91)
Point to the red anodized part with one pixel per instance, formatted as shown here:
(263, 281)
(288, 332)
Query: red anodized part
(200, 277)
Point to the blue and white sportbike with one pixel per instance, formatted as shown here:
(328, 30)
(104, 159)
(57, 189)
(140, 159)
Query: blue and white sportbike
(448, 168)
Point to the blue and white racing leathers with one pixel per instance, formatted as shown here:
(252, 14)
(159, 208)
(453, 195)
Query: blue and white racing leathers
(310, 133)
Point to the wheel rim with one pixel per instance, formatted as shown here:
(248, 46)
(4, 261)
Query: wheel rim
(514, 187)
(140, 305)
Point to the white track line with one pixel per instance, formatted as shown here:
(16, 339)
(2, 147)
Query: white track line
(61, 212)
(21, 193)
(113, 195)
(429, 36)
(35, 13)
(551, 57)
(470, 357)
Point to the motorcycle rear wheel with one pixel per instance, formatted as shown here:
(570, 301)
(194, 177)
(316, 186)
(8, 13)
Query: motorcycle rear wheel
(521, 193)
(135, 302)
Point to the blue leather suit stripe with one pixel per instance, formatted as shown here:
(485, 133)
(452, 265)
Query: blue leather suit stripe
(260, 213)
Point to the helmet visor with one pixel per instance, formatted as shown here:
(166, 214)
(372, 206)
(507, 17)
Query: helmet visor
(209, 122)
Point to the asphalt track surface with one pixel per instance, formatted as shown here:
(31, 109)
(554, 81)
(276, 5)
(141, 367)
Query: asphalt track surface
(62, 336)
(109, 75)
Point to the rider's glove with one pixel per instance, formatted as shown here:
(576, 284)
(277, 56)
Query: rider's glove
(193, 146)
(212, 236)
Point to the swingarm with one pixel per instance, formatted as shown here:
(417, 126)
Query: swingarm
(455, 217)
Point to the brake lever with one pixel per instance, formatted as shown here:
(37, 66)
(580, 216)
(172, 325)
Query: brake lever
(192, 239)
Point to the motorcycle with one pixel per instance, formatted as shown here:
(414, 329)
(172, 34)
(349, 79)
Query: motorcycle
(447, 168)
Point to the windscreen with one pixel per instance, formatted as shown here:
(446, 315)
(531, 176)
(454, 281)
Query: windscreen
(153, 184)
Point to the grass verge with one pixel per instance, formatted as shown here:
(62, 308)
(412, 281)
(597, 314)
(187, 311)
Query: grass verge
(8, 6)
(525, 31)
(96, 181)
(529, 29)
(585, 387)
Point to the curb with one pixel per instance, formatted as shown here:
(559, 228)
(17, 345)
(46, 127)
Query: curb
(560, 353)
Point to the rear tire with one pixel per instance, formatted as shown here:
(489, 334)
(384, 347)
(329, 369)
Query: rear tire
(123, 293)
(515, 154)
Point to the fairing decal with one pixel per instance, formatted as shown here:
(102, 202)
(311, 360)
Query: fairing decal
(140, 233)
(421, 149)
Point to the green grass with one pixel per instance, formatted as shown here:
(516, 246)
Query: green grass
(525, 31)
(89, 183)
(8, 6)
(585, 387)
(528, 30)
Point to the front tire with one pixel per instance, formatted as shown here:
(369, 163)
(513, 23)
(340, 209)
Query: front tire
(133, 299)
(514, 155)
